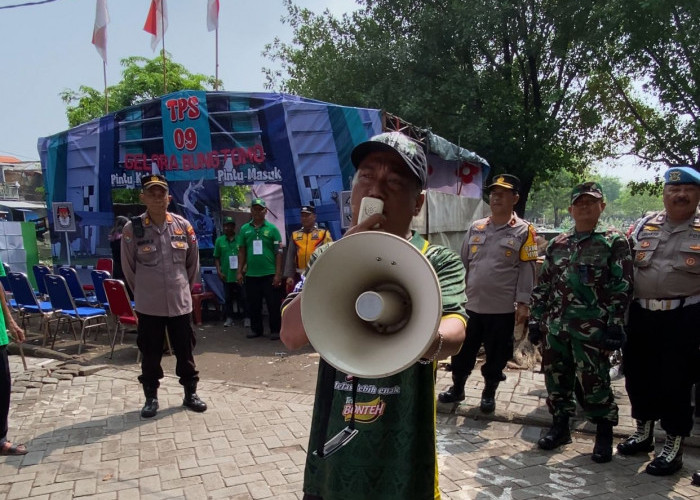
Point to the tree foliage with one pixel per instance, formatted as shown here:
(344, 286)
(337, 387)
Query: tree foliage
(507, 79)
(142, 79)
(649, 80)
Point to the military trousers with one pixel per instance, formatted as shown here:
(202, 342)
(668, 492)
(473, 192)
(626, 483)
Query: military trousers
(495, 333)
(150, 340)
(577, 370)
(660, 362)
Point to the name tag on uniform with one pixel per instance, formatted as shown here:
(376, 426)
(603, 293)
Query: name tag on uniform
(257, 247)
(233, 261)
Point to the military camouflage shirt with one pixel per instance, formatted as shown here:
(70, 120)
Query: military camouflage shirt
(585, 283)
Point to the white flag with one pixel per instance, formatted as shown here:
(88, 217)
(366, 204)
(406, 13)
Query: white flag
(99, 32)
(213, 15)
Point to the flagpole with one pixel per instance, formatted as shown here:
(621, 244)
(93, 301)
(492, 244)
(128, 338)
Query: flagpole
(162, 30)
(104, 74)
(216, 82)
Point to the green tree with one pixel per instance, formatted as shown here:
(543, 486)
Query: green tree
(507, 79)
(648, 79)
(142, 79)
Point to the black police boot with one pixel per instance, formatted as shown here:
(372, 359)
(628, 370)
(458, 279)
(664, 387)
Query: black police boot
(670, 460)
(150, 409)
(557, 435)
(488, 397)
(602, 450)
(192, 401)
(641, 440)
(696, 478)
(454, 394)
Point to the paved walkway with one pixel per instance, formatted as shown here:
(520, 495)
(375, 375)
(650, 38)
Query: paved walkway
(87, 440)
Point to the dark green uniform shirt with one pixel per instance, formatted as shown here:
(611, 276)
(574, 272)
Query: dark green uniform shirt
(585, 283)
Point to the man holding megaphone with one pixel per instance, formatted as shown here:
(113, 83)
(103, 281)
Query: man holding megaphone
(382, 418)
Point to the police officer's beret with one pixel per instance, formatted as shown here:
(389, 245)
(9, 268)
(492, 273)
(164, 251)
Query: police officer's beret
(507, 181)
(682, 175)
(154, 180)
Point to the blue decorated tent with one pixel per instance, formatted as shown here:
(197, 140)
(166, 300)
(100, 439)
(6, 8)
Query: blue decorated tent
(290, 150)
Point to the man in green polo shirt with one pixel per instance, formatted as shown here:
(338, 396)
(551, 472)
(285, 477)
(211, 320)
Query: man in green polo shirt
(260, 263)
(226, 260)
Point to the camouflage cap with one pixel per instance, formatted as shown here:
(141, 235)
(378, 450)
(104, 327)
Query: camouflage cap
(410, 151)
(590, 188)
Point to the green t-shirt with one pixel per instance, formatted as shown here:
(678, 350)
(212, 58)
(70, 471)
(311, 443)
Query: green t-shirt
(394, 455)
(224, 249)
(4, 339)
(261, 245)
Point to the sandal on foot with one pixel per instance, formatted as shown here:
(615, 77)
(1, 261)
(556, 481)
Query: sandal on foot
(13, 449)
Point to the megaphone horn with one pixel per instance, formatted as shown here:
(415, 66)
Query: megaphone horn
(371, 304)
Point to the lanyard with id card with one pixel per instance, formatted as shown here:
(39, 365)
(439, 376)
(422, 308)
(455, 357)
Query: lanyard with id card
(257, 247)
(233, 261)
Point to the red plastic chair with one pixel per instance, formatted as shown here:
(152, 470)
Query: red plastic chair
(122, 310)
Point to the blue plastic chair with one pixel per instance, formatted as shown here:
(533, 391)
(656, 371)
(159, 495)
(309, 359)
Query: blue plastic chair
(7, 286)
(28, 305)
(40, 272)
(98, 278)
(76, 288)
(65, 308)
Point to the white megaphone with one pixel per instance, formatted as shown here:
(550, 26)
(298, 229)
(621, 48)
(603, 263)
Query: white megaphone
(371, 304)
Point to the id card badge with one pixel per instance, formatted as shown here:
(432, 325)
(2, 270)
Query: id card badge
(257, 247)
(233, 261)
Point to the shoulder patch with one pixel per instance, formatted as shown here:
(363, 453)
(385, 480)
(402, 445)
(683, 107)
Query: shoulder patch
(529, 249)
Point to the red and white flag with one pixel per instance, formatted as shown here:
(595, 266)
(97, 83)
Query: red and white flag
(99, 32)
(213, 15)
(156, 22)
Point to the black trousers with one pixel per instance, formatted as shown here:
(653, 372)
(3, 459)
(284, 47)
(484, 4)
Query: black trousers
(5, 389)
(660, 362)
(257, 289)
(234, 293)
(495, 332)
(150, 338)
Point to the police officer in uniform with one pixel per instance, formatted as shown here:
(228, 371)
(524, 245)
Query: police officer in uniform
(302, 244)
(161, 264)
(661, 355)
(499, 254)
(580, 300)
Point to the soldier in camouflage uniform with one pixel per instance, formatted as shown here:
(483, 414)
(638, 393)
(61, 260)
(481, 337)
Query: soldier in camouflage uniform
(584, 289)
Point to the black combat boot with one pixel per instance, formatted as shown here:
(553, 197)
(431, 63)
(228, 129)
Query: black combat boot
(670, 460)
(641, 440)
(557, 435)
(488, 397)
(191, 400)
(150, 409)
(602, 450)
(454, 394)
(696, 478)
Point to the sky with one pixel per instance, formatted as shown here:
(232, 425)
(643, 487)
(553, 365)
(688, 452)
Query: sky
(47, 48)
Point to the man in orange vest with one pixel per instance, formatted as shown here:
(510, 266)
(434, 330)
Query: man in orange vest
(302, 244)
